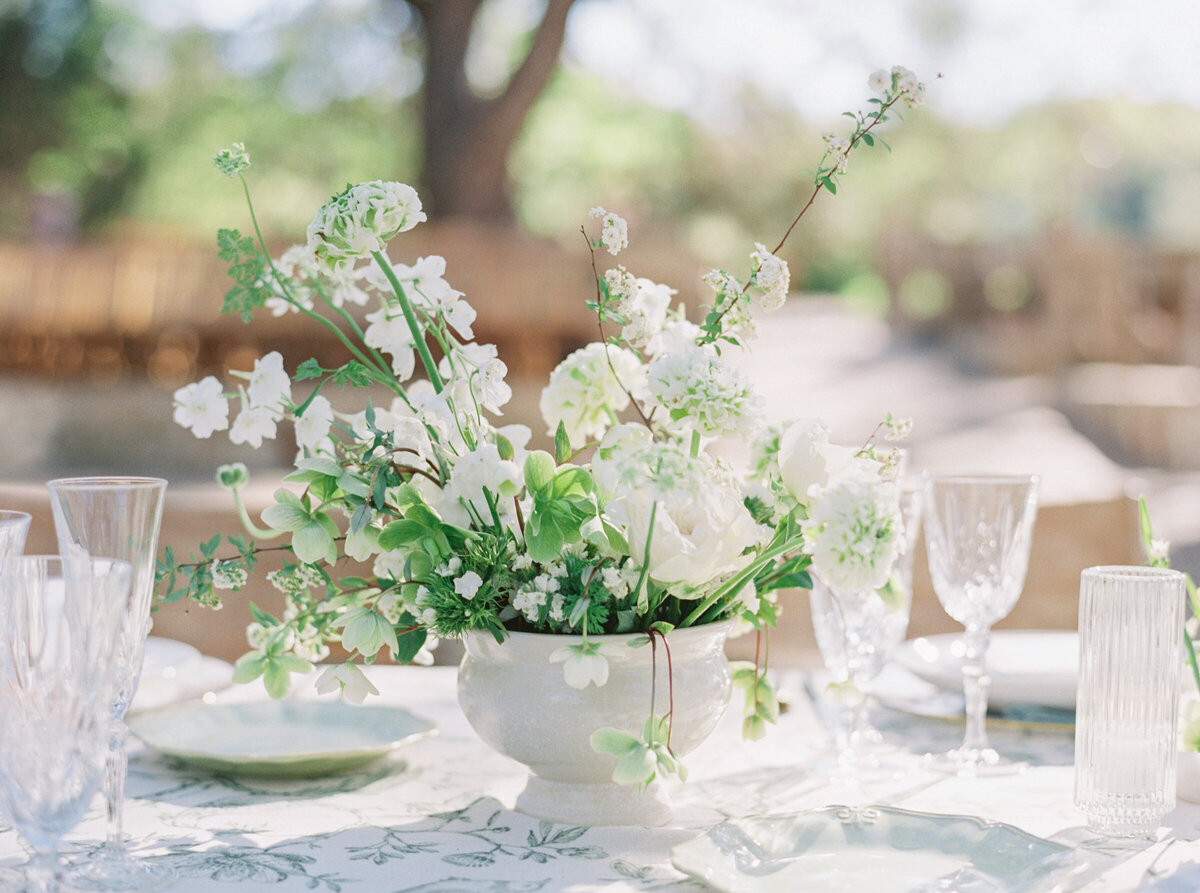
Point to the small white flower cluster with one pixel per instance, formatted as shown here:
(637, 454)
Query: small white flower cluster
(614, 231)
(839, 147)
(902, 80)
(771, 274)
(228, 575)
(642, 304)
(540, 591)
(703, 393)
(295, 579)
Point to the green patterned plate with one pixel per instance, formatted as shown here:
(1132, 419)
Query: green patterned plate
(278, 739)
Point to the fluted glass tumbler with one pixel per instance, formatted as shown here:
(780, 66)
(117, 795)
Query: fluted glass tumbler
(13, 528)
(1127, 708)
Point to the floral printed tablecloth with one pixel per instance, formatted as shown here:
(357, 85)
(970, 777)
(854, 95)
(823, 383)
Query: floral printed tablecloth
(436, 816)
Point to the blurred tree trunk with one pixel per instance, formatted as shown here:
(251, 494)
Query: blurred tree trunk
(468, 138)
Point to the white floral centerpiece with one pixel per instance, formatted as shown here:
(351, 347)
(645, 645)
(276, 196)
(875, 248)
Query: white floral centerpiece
(629, 526)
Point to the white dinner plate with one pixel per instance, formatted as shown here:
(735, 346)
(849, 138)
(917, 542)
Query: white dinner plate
(1026, 666)
(278, 739)
(872, 848)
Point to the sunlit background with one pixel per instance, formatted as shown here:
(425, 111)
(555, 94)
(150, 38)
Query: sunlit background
(1021, 274)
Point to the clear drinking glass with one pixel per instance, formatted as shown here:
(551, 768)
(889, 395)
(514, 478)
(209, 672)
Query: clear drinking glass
(1127, 709)
(978, 530)
(13, 528)
(117, 517)
(856, 632)
(58, 621)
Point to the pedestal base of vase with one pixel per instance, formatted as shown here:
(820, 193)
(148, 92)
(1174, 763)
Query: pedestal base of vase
(583, 803)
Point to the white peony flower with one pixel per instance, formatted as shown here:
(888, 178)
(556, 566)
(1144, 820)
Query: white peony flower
(313, 427)
(696, 388)
(269, 385)
(853, 533)
(252, 426)
(349, 679)
(614, 231)
(586, 663)
(390, 333)
(202, 407)
(771, 275)
(585, 395)
(361, 220)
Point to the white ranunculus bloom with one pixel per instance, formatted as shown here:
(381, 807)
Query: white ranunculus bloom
(696, 388)
(313, 427)
(202, 407)
(853, 532)
(352, 682)
(585, 395)
(361, 220)
(253, 425)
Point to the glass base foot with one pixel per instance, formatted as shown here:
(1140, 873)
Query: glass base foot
(973, 762)
(109, 873)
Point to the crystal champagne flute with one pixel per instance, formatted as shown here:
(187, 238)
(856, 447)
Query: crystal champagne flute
(117, 517)
(978, 531)
(855, 633)
(58, 621)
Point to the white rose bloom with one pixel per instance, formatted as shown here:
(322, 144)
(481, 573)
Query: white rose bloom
(853, 533)
(202, 407)
(313, 427)
(807, 460)
(695, 387)
(772, 276)
(349, 679)
(585, 395)
(361, 220)
(391, 334)
(252, 425)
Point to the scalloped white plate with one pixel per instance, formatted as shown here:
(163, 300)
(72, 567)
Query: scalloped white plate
(875, 848)
(278, 739)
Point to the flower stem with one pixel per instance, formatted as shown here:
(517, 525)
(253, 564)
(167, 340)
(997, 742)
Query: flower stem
(411, 319)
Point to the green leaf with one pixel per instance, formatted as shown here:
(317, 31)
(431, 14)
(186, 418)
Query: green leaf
(310, 368)
(504, 447)
(282, 516)
(868, 139)
(543, 539)
(1144, 523)
(321, 465)
(539, 472)
(410, 643)
(312, 543)
(613, 741)
(562, 444)
(249, 667)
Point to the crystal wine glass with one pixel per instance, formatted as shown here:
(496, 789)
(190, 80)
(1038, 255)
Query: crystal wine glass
(58, 621)
(856, 632)
(978, 531)
(13, 528)
(117, 517)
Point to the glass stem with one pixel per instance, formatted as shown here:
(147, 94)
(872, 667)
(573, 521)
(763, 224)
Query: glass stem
(975, 687)
(114, 787)
(43, 871)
